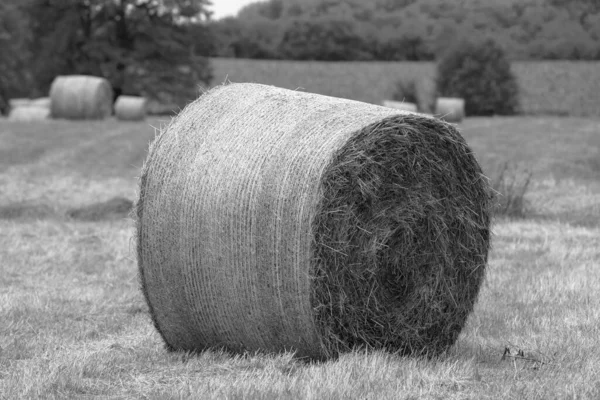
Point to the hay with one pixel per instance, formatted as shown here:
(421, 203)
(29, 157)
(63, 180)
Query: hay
(81, 97)
(41, 102)
(14, 103)
(275, 220)
(450, 109)
(130, 108)
(29, 113)
(400, 105)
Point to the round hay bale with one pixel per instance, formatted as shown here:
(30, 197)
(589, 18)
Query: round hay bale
(130, 108)
(450, 109)
(29, 113)
(14, 103)
(41, 102)
(400, 105)
(81, 97)
(274, 220)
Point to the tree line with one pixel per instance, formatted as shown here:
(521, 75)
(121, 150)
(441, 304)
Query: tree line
(414, 30)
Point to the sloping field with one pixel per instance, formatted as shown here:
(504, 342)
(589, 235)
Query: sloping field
(548, 87)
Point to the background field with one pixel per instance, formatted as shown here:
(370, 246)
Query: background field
(74, 324)
(546, 87)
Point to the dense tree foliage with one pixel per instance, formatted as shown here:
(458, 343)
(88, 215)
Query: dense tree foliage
(411, 29)
(14, 38)
(149, 47)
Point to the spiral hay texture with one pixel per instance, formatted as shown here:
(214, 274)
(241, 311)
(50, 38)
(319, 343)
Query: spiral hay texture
(275, 220)
(81, 97)
(130, 108)
(450, 109)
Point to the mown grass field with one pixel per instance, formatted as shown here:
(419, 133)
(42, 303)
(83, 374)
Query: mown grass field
(73, 323)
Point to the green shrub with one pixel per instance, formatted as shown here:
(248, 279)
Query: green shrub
(479, 72)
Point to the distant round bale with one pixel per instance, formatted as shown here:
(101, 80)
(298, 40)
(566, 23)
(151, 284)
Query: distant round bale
(29, 113)
(81, 97)
(41, 102)
(400, 105)
(14, 103)
(274, 220)
(450, 109)
(130, 108)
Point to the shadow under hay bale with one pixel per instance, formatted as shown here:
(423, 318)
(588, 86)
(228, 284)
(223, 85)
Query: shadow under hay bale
(115, 208)
(277, 220)
(26, 210)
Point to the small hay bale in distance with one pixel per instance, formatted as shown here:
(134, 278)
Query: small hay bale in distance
(400, 105)
(14, 103)
(130, 108)
(272, 220)
(81, 97)
(29, 113)
(43, 102)
(450, 109)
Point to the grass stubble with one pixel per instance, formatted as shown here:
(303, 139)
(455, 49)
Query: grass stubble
(75, 325)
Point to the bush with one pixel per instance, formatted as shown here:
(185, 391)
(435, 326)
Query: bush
(509, 187)
(405, 91)
(480, 73)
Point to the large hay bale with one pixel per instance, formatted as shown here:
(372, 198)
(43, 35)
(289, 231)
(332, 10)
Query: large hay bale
(400, 105)
(81, 97)
(271, 219)
(29, 113)
(450, 109)
(130, 108)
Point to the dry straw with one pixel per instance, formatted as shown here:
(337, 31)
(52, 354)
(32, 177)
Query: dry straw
(275, 220)
(81, 97)
(44, 102)
(451, 109)
(29, 113)
(14, 103)
(130, 108)
(400, 105)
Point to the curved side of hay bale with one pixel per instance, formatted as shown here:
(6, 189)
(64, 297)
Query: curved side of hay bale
(29, 113)
(130, 108)
(400, 105)
(450, 109)
(274, 220)
(81, 97)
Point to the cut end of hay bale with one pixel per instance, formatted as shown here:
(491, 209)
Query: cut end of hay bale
(130, 108)
(450, 109)
(277, 220)
(400, 105)
(81, 97)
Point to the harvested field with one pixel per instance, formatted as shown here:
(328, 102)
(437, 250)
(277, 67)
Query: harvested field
(75, 324)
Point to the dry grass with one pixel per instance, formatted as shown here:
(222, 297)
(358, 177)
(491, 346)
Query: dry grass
(74, 323)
